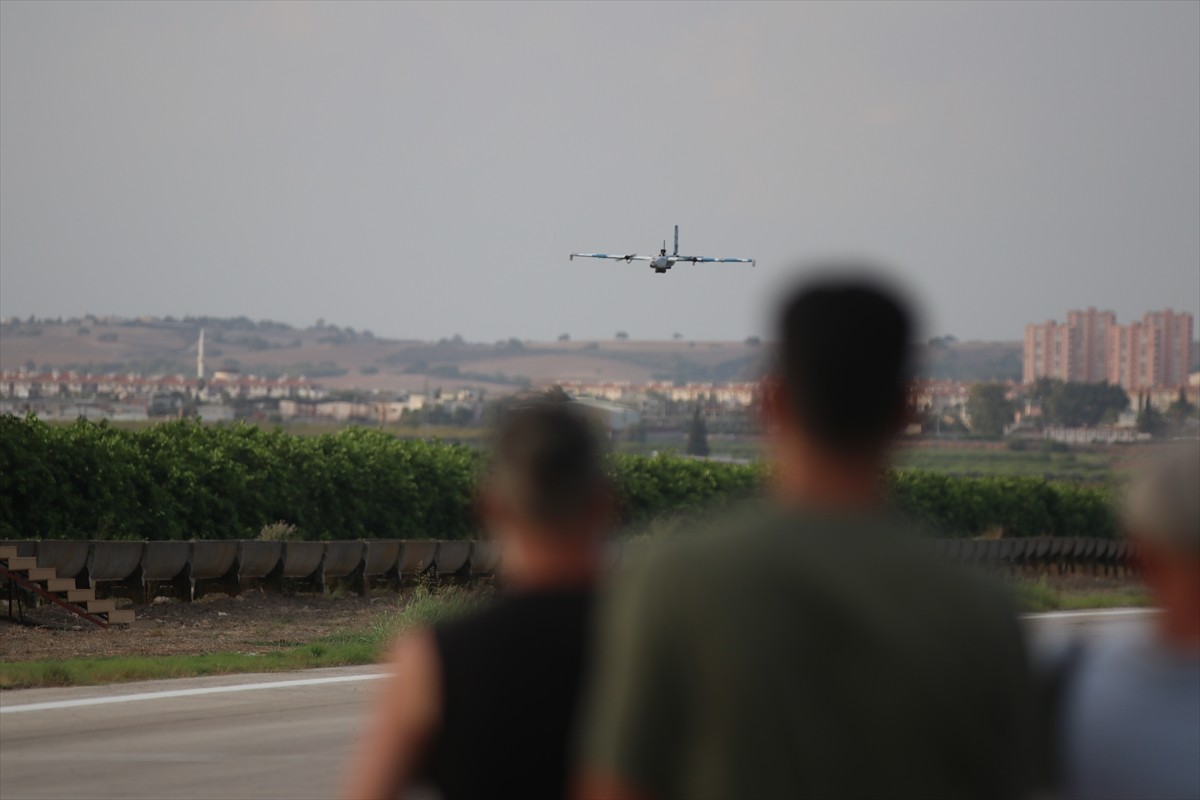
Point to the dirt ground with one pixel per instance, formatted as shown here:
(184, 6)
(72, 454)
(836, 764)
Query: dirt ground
(257, 622)
(254, 622)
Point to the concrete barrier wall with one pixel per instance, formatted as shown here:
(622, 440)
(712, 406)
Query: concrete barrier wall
(417, 557)
(258, 559)
(206, 560)
(26, 548)
(453, 557)
(213, 559)
(302, 559)
(485, 558)
(165, 561)
(114, 561)
(382, 556)
(67, 557)
(344, 558)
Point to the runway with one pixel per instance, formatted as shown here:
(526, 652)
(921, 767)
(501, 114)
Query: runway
(247, 736)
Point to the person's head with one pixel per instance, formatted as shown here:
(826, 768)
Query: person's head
(546, 495)
(840, 389)
(1162, 513)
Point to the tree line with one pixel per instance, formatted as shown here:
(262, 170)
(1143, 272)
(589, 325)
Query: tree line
(1071, 405)
(182, 480)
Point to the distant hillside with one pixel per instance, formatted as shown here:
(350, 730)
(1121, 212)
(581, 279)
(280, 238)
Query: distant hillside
(945, 358)
(342, 357)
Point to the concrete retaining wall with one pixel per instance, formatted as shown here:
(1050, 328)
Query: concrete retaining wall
(69, 558)
(417, 557)
(213, 559)
(302, 559)
(453, 558)
(113, 561)
(186, 565)
(258, 559)
(382, 556)
(344, 558)
(165, 561)
(485, 558)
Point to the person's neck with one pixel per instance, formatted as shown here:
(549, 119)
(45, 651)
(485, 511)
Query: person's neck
(822, 482)
(547, 565)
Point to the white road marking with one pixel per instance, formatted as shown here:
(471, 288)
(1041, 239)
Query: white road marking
(1108, 612)
(133, 698)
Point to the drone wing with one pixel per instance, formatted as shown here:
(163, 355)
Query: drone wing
(710, 260)
(613, 257)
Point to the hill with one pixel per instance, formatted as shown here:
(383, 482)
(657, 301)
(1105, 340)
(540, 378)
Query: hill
(342, 358)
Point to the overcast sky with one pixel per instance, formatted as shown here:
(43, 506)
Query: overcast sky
(424, 170)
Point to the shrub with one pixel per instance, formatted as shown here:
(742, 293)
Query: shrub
(181, 480)
(277, 532)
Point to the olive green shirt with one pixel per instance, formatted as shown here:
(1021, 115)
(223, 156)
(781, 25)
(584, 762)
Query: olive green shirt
(797, 655)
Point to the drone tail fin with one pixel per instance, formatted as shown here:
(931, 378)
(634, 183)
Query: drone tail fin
(676, 240)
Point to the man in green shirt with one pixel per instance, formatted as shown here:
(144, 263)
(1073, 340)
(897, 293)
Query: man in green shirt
(812, 648)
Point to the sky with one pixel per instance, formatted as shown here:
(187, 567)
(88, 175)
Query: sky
(425, 170)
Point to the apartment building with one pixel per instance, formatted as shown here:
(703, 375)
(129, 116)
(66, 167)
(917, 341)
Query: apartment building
(1090, 344)
(1154, 352)
(1047, 352)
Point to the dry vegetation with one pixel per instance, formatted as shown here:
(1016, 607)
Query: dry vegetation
(251, 623)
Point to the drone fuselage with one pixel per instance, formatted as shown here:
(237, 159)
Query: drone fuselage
(660, 264)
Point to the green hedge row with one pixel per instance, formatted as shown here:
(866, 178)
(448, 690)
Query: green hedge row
(181, 480)
(967, 507)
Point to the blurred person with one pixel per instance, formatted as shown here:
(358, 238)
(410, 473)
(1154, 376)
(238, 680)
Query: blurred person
(811, 648)
(1131, 705)
(484, 705)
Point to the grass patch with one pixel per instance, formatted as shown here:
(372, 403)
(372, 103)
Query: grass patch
(1080, 466)
(1033, 596)
(349, 648)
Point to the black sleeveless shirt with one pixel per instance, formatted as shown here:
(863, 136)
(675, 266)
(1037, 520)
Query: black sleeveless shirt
(511, 679)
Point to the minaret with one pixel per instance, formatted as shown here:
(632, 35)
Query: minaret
(200, 357)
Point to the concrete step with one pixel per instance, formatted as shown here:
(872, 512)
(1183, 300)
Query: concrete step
(80, 595)
(8, 552)
(14, 563)
(60, 585)
(122, 617)
(40, 574)
(100, 606)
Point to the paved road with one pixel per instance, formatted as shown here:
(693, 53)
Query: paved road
(286, 741)
(246, 736)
